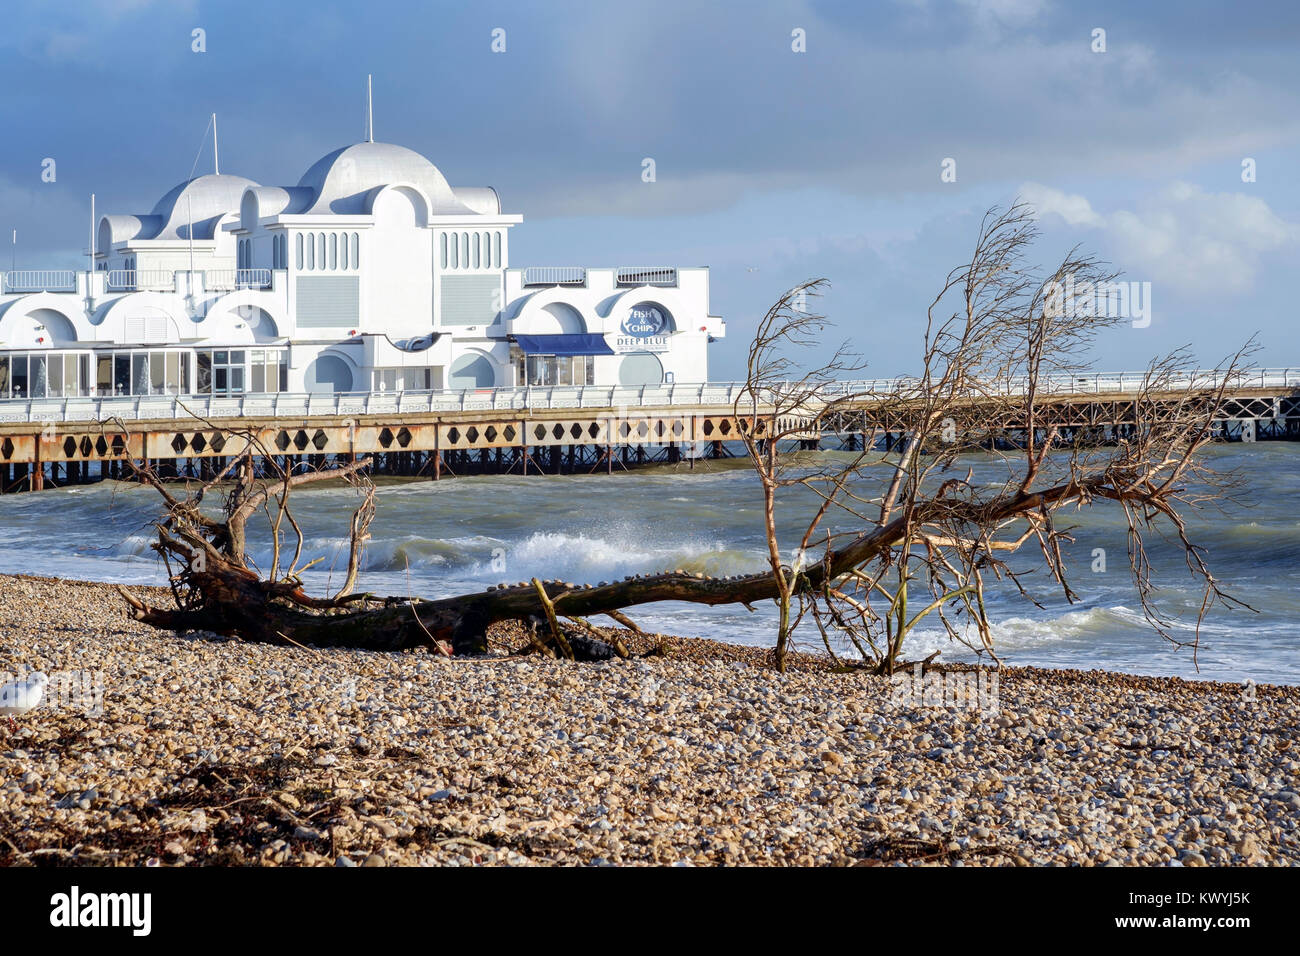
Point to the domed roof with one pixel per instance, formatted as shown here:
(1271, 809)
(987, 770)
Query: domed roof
(342, 180)
(202, 201)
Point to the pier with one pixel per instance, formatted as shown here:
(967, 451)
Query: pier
(550, 430)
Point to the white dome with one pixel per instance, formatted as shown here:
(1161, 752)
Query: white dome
(203, 201)
(342, 181)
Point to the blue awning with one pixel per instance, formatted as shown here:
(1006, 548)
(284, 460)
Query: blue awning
(568, 344)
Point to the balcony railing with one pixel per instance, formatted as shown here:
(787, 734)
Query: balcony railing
(145, 280)
(640, 275)
(164, 280)
(41, 280)
(227, 280)
(555, 275)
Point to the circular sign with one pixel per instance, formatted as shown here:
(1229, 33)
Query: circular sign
(645, 321)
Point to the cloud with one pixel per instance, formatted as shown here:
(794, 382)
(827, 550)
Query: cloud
(1008, 12)
(1074, 209)
(1184, 235)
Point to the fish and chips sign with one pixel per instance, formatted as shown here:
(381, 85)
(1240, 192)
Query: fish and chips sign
(646, 329)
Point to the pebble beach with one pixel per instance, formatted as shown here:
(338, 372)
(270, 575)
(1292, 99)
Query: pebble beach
(159, 749)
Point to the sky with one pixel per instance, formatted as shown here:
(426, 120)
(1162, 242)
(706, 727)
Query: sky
(861, 142)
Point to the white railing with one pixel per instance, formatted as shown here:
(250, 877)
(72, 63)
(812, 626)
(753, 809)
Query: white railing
(228, 280)
(40, 280)
(639, 275)
(143, 280)
(680, 396)
(555, 275)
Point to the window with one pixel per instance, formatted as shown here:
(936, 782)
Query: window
(356, 252)
(343, 252)
(298, 245)
(464, 249)
(18, 377)
(311, 250)
(140, 373)
(267, 370)
(320, 249)
(44, 375)
(228, 372)
(38, 379)
(455, 252)
(496, 250)
(171, 373)
(475, 246)
(334, 250)
(203, 381)
(559, 370)
(442, 250)
(122, 374)
(157, 374)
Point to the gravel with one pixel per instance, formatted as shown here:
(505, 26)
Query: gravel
(213, 751)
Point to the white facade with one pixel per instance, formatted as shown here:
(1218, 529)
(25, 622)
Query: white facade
(371, 274)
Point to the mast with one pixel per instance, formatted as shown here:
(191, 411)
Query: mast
(216, 162)
(370, 109)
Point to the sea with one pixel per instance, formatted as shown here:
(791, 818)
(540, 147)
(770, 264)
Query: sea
(436, 539)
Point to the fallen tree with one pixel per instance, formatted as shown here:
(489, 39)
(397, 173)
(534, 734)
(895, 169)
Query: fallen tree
(915, 522)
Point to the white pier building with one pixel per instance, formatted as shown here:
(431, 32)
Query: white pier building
(372, 274)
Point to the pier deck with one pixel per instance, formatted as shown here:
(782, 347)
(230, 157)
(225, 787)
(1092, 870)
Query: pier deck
(527, 430)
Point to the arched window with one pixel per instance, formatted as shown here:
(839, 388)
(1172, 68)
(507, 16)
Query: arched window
(356, 252)
(455, 251)
(297, 242)
(474, 244)
(496, 250)
(442, 250)
(311, 250)
(334, 250)
(464, 249)
(343, 252)
(320, 248)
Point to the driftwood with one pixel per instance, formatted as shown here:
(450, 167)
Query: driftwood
(913, 538)
(222, 595)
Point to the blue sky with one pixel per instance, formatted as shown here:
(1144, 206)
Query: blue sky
(772, 166)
